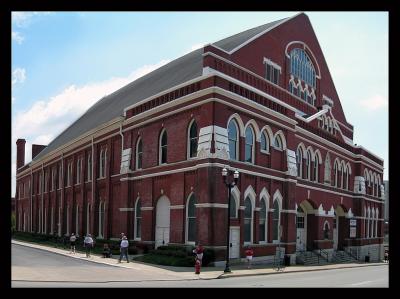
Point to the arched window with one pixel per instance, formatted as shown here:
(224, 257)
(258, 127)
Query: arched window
(249, 156)
(192, 140)
(316, 166)
(139, 153)
(248, 220)
(276, 221)
(233, 140)
(103, 161)
(302, 67)
(336, 170)
(264, 142)
(262, 221)
(138, 220)
(278, 142)
(101, 219)
(308, 165)
(163, 147)
(191, 219)
(347, 178)
(299, 160)
(88, 219)
(89, 167)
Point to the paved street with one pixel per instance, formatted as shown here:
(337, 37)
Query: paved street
(37, 268)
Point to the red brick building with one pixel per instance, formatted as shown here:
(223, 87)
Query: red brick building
(147, 159)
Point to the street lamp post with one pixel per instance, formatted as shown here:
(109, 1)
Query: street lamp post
(229, 185)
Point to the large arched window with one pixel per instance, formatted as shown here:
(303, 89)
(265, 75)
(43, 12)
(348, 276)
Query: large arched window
(316, 166)
(248, 220)
(299, 160)
(276, 221)
(138, 220)
(249, 155)
(89, 167)
(192, 140)
(163, 147)
(191, 219)
(264, 142)
(326, 230)
(76, 220)
(233, 208)
(233, 140)
(103, 162)
(336, 171)
(139, 153)
(302, 67)
(101, 219)
(278, 142)
(308, 165)
(263, 221)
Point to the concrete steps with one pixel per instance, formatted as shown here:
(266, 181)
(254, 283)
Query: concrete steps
(342, 257)
(310, 258)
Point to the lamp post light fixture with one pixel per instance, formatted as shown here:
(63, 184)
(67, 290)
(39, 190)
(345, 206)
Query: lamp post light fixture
(229, 185)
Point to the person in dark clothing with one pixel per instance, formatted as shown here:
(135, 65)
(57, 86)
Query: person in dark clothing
(106, 251)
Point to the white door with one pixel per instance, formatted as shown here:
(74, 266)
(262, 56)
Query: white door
(301, 232)
(234, 240)
(162, 221)
(335, 232)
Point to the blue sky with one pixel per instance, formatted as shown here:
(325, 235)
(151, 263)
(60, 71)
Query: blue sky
(63, 62)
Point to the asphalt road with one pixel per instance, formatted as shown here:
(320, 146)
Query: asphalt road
(37, 268)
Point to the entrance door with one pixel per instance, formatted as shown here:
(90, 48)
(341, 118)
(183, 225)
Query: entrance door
(162, 222)
(301, 232)
(234, 240)
(335, 232)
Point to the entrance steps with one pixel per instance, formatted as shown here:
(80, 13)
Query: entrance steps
(310, 258)
(342, 257)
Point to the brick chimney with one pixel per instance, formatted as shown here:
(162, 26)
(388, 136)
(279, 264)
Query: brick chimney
(36, 149)
(20, 152)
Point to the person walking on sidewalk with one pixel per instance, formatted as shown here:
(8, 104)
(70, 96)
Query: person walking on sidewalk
(249, 256)
(72, 240)
(88, 243)
(124, 249)
(199, 250)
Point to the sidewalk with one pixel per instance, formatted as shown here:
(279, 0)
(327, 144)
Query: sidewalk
(160, 272)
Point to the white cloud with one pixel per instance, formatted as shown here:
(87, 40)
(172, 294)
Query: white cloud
(17, 37)
(18, 76)
(375, 102)
(23, 19)
(12, 100)
(45, 119)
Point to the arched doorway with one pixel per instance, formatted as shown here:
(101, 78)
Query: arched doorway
(303, 211)
(162, 222)
(340, 213)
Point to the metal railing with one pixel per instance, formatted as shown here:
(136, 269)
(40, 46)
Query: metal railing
(353, 252)
(325, 253)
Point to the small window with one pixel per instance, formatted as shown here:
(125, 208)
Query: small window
(272, 71)
(264, 142)
(278, 142)
(163, 147)
(193, 140)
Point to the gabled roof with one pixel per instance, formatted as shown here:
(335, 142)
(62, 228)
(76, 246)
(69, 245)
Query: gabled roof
(230, 43)
(176, 72)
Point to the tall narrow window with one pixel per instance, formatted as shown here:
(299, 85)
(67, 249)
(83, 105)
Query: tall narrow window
(89, 167)
(138, 220)
(248, 219)
(67, 220)
(327, 175)
(299, 160)
(278, 142)
(249, 145)
(40, 184)
(264, 142)
(52, 221)
(262, 221)
(192, 140)
(77, 220)
(59, 221)
(308, 165)
(233, 140)
(60, 176)
(376, 222)
(316, 166)
(78, 171)
(139, 153)
(276, 221)
(103, 161)
(191, 219)
(53, 179)
(326, 230)
(88, 219)
(336, 170)
(46, 178)
(233, 211)
(343, 175)
(101, 220)
(163, 147)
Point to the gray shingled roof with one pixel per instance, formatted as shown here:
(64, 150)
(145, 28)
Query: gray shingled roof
(229, 43)
(176, 72)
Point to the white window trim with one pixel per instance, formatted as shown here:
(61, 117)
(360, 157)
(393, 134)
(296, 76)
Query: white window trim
(189, 139)
(135, 226)
(137, 154)
(263, 133)
(253, 145)
(266, 219)
(187, 221)
(163, 131)
(237, 138)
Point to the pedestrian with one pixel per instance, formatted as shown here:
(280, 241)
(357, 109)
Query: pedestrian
(249, 256)
(88, 243)
(386, 256)
(106, 251)
(124, 249)
(199, 250)
(72, 240)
